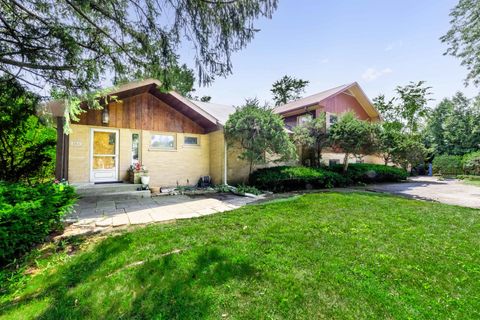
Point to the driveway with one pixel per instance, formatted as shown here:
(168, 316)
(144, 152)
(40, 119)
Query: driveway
(91, 213)
(450, 191)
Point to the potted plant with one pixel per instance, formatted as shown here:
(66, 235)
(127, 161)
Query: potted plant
(136, 172)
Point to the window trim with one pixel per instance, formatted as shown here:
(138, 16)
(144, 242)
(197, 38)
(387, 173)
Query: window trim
(309, 115)
(188, 145)
(174, 135)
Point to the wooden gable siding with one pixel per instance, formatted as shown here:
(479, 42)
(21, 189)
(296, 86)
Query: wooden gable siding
(144, 112)
(344, 103)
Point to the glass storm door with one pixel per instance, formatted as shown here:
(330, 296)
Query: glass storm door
(104, 161)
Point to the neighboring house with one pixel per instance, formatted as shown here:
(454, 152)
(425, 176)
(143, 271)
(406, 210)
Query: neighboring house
(178, 140)
(332, 103)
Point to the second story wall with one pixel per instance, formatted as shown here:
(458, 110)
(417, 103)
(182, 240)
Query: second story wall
(344, 102)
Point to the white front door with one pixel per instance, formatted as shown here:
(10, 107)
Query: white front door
(104, 155)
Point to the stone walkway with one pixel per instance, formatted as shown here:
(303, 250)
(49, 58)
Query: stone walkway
(91, 213)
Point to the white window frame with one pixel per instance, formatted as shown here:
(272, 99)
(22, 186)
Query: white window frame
(301, 119)
(174, 148)
(328, 119)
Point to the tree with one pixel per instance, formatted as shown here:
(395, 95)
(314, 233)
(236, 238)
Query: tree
(463, 37)
(389, 139)
(27, 148)
(410, 152)
(71, 45)
(353, 136)
(287, 89)
(312, 134)
(454, 126)
(408, 108)
(260, 133)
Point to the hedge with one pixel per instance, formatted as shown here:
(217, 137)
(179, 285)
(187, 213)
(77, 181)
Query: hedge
(447, 165)
(471, 163)
(371, 173)
(285, 178)
(30, 213)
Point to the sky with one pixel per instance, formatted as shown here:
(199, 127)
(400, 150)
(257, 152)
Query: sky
(379, 44)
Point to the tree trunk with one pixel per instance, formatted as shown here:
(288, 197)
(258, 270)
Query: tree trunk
(345, 162)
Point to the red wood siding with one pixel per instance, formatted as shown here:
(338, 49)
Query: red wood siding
(145, 112)
(343, 103)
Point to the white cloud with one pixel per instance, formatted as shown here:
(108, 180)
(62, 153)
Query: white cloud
(372, 73)
(394, 45)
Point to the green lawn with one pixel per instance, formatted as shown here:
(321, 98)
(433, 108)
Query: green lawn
(472, 182)
(344, 256)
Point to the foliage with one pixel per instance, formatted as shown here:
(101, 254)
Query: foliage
(353, 136)
(411, 152)
(454, 126)
(312, 134)
(71, 45)
(285, 178)
(471, 163)
(371, 173)
(462, 38)
(389, 139)
(28, 214)
(260, 133)
(243, 189)
(27, 147)
(222, 188)
(287, 89)
(447, 165)
(285, 258)
(408, 108)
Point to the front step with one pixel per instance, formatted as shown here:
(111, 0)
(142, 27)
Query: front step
(113, 191)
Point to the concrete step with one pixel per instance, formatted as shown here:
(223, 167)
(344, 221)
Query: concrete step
(110, 189)
(122, 195)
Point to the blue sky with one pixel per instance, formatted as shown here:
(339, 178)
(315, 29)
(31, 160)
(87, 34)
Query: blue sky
(379, 44)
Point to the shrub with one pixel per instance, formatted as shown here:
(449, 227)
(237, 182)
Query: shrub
(242, 189)
(28, 214)
(471, 163)
(371, 173)
(447, 165)
(285, 178)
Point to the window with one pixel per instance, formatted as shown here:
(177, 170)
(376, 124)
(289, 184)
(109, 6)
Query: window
(162, 141)
(304, 118)
(333, 162)
(191, 141)
(332, 119)
(135, 147)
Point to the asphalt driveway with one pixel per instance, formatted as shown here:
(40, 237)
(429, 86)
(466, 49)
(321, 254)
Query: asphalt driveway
(430, 188)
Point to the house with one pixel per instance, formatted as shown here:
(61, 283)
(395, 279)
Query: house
(331, 103)
(178, 140)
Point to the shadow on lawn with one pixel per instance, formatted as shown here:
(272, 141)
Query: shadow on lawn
(170, 286)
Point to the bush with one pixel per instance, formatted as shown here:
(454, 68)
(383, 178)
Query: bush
(447, 165)
(242, 189)
(471, 163)
(371, 173)
(28, 214)
(285, 178)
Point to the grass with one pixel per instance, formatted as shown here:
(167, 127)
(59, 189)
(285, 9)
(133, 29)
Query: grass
(472, 182)
(344, 256)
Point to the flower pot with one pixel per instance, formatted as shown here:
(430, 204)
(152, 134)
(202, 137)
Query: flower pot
(145, 180)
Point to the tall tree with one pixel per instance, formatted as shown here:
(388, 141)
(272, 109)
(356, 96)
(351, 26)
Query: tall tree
(260, 133)
(463, 37)
(408, 108)
(287, 89)
(312, 135)
(73, 44)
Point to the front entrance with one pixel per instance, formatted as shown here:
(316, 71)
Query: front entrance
(104, 156)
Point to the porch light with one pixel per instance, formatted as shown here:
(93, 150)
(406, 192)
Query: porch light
(105, 116)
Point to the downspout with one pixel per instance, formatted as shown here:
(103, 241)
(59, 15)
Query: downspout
(224, 161)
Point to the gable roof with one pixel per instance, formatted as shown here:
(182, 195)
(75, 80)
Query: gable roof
(352, 88)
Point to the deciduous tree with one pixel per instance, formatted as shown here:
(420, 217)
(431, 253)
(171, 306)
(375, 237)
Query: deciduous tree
(312, 134)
